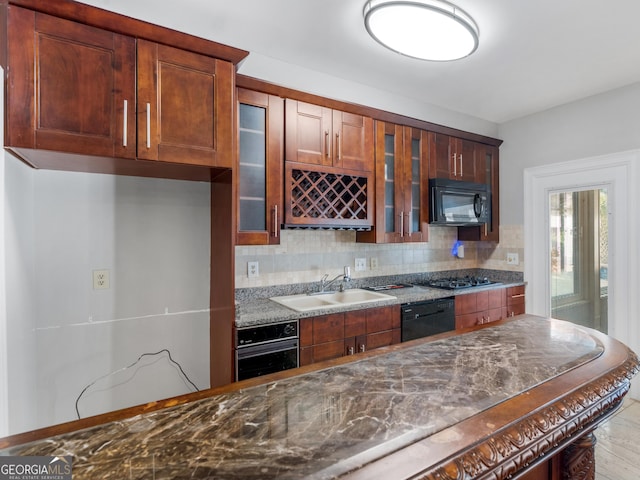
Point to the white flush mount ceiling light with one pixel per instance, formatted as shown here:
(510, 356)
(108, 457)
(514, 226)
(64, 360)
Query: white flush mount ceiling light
(424, 29)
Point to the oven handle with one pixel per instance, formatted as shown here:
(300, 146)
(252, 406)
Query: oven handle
(477, 205)
(425, 315)
(265, 349)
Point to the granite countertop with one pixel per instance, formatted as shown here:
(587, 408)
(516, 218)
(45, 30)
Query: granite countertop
(333, 420)
(254, 308)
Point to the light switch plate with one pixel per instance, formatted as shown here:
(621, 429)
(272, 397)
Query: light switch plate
(361, 264)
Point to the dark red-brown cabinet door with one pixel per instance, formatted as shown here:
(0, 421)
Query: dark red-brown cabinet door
(71, 87)
(185, 107)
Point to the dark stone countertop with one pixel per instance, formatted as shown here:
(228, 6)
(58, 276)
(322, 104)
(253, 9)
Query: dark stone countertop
(332, 420)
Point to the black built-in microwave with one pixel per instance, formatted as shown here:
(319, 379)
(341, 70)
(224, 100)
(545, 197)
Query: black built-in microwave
(458, 203)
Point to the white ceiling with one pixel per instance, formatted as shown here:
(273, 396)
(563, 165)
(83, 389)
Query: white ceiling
(533, 54)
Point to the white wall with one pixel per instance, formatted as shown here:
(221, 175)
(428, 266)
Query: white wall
(153, 236)
(598, 125)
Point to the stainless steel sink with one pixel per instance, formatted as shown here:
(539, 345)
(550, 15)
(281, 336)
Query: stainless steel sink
(354, 296)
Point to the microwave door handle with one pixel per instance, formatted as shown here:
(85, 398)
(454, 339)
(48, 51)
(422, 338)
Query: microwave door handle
(477, 205)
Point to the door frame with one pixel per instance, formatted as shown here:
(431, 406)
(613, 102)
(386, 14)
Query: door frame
(618, 173)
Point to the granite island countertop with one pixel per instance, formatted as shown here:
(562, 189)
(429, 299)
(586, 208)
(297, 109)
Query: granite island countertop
(257, 309)
(340, 417)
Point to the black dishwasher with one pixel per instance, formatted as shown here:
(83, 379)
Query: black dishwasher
(430, 317)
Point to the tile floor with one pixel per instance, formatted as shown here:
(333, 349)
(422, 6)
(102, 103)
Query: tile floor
(618, 446)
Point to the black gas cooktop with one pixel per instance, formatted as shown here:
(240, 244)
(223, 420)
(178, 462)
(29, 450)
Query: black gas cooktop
(458, 283)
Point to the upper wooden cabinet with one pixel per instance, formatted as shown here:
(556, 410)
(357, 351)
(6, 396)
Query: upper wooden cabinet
(487, 161)
(71, 87)
(259, 168)
(74, 88)
(452, 157)
(185, 106)
(401, 180)
(321, 136)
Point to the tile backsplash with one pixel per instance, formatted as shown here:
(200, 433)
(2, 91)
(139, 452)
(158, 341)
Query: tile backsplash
(306, 255)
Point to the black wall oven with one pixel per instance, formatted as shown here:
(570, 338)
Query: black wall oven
(266, 349)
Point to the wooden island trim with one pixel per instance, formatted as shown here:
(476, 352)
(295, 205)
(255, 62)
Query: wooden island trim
(537, 426)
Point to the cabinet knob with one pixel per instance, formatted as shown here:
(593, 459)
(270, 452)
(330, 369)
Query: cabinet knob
(351, 351)
(362, 347)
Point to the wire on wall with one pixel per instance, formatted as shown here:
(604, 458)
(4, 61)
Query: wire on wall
(130, 366)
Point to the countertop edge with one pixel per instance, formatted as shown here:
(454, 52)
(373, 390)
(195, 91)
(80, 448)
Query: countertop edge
(518, 436)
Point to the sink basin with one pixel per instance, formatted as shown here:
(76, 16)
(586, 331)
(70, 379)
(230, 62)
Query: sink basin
(354, 296)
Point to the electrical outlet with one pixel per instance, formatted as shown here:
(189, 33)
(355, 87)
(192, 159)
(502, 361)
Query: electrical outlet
(101, 279)
(513, 259)
(374, 263)
(253, 270)
(361, 264)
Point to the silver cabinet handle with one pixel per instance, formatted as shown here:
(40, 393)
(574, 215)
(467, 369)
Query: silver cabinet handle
(455, 165)
(326, 143)
(148, 125)
(362, 347)
(461, 165)
(520, 295)
(409, 223)
(124, 124)
(275, 221)
(401, 224)
(338, 146)
(351, 351)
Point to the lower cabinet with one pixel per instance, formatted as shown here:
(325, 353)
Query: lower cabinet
(488, 306)
(341, 334)
(515, 301)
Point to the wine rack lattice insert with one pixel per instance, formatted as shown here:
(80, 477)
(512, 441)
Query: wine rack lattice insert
(322, 195)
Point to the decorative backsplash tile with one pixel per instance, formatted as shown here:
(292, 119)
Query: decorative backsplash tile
(304, 256)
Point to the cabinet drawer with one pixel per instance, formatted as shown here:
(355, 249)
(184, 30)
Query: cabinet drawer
(497, 298)
(355, 323)
(380, 339)
(329, 350)
(380, 319)
(466, 320)
(465, 304)
(328, 328)
(515, 295)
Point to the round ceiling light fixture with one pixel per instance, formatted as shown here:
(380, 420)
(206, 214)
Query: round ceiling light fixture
(425, 29)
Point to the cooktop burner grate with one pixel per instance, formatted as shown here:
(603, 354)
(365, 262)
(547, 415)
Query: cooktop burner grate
(457, 283)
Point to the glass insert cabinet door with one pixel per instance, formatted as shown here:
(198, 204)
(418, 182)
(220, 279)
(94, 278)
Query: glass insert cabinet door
(253, 167)
(402, 167)
(259, 177)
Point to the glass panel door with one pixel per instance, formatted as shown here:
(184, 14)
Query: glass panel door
(579, 257)
(389, 184)
(252, 168)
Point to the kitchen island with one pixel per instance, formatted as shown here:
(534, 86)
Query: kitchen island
(518, 396)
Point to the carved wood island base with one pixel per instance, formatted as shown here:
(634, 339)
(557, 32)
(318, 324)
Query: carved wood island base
(514, 399)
